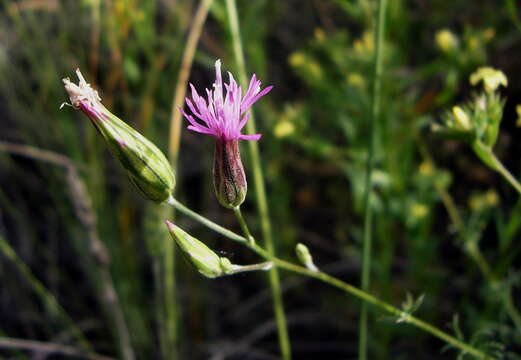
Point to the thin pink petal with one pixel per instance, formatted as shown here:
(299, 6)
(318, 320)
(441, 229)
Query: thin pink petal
(253, 137)
(249, 103)
(192, 108)
(201, 130)
(244, 120)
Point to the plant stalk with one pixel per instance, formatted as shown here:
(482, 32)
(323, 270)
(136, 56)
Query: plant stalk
(170, 306)
(368, 217)
(258, 179)
(328, 279)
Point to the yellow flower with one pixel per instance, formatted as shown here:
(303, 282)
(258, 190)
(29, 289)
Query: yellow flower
(364, 45)
(356, 80)
(491, 78)
(483, 201)
(284, 128)
(492, 198)
(426, 168)
(419, 211)
(297, 59)
(446, 40)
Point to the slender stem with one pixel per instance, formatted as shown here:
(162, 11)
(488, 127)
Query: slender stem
(44, 295)
(258, 178)
(507, 175)
(45, 349)
(348, 288)
(511, 309)
(206, 222)
(375, 113)
(194, 34)
(184, 73)
(472, 250)
(244, 225)
(86, 214)
(490, 159)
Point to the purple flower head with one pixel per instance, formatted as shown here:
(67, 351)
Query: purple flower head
(224, 116)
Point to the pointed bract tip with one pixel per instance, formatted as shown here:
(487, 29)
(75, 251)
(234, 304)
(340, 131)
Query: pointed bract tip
(170, 225)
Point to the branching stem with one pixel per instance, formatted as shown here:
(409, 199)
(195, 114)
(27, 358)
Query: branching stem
(348, 288)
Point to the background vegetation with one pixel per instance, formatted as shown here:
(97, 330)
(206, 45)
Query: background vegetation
(84, 260)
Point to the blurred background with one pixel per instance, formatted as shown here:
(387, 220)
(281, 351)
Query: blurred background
(86, 263)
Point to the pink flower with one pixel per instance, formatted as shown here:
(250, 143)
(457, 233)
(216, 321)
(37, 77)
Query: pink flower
(224, 116)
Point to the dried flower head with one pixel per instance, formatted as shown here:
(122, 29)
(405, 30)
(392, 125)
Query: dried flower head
(146, 166)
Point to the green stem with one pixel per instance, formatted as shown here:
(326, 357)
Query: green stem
(244, 225)
(507, 175)
(258, 179)
(490, 159)
(375, 113)
(170, 292)
(348, 288)
(206, 222)
(472, 249)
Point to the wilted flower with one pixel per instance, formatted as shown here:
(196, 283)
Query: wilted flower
(224, 116)
(147, 167)
(491, 78)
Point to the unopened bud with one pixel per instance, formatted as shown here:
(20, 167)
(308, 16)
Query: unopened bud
(229, 180)
(305, 257)
(201, 256)
(461, 118)
(206, 261)
(146, 166)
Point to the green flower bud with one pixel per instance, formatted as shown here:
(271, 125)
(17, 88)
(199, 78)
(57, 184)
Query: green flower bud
(228, 174)
(461, 118)
(146, 166)
(201, 256)
(305, 257)
(207, 262)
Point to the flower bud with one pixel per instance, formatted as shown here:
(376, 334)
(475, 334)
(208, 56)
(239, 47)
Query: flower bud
(461, 118)
(228, 174)
(146, 166)
(305, 257)
(207, 262)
